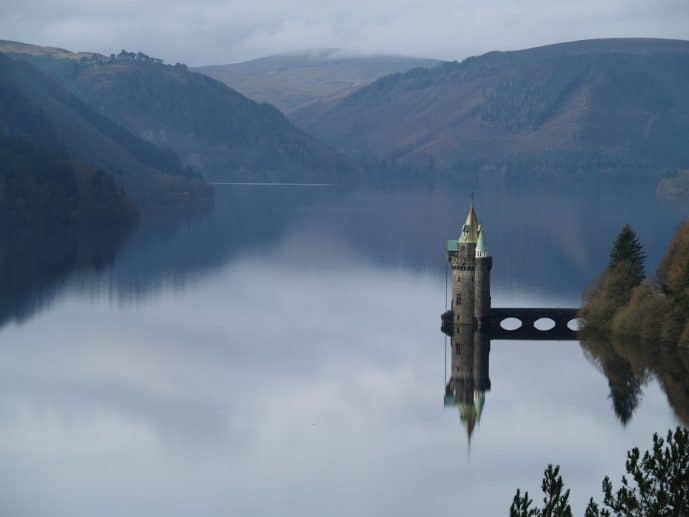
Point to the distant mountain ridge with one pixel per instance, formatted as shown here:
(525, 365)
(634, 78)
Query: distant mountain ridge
(213, 128)
(292, 81)
(613, 106)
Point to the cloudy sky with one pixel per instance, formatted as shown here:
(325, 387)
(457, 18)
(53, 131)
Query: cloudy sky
(223, 31)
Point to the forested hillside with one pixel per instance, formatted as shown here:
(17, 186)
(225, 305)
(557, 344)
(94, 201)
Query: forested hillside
(213, 128)
(42, 188)
(596, 107)
(36, 109)
(43, 191)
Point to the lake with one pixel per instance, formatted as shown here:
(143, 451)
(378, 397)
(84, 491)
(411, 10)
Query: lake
(281, 354)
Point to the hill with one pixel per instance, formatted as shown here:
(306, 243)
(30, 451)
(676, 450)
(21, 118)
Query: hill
(292, 81)
(610, 106)
(57, 213)
(36, 110)
(213, 128)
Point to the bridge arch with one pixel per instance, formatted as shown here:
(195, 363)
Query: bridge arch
(511, 323)
(576, 324)
(536, 323)
(544, 324)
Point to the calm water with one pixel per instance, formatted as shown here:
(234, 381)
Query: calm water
(281, 355)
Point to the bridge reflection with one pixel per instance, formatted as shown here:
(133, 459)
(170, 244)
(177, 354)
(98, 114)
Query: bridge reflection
(626, 363)
(470, 352)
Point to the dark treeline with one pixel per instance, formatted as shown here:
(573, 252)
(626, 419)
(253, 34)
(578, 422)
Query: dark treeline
(45, 191)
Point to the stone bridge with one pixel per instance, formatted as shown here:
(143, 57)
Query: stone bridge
(563, 323)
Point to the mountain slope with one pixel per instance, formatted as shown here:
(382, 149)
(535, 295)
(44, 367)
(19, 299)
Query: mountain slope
(36, 109)
(608, 105)
(44, 192)
(212, 127)
(291, 81)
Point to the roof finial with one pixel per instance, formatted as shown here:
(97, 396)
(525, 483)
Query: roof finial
(472, 200)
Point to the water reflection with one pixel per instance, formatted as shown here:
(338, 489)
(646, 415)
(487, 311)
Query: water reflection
(276, 354)
(173, 249)
(34, 268)
(392, 228)
(630, 364)
(469, 375)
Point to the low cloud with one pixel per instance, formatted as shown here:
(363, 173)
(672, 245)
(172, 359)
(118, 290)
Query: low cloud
(212, 31)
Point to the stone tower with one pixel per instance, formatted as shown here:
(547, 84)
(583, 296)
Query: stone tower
(471, 266)
(484, 264)
(463, 262)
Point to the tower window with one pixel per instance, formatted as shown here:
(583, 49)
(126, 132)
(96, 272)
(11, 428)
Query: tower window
(459, 299)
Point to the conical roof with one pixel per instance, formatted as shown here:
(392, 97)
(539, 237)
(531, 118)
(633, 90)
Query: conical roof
(481, 246)
(470, 229)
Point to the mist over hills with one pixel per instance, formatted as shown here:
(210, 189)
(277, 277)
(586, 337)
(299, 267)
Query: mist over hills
(292, 81)
(604, 107)
(213, 128)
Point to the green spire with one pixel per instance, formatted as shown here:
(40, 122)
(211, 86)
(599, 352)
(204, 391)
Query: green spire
(481, 247)
(469, 233)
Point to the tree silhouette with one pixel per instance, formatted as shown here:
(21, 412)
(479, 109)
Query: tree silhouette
(625, 389)
(555, 503)
(627, 248)
(658, 485)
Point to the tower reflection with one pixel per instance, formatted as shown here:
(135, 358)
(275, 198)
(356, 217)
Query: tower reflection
(469, 374)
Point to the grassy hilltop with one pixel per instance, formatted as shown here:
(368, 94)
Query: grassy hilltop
(293, 81)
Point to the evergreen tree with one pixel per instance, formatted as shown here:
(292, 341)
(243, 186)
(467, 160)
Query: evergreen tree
(660, 481)
(627, 248)
(555, 503)
(658, 485)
